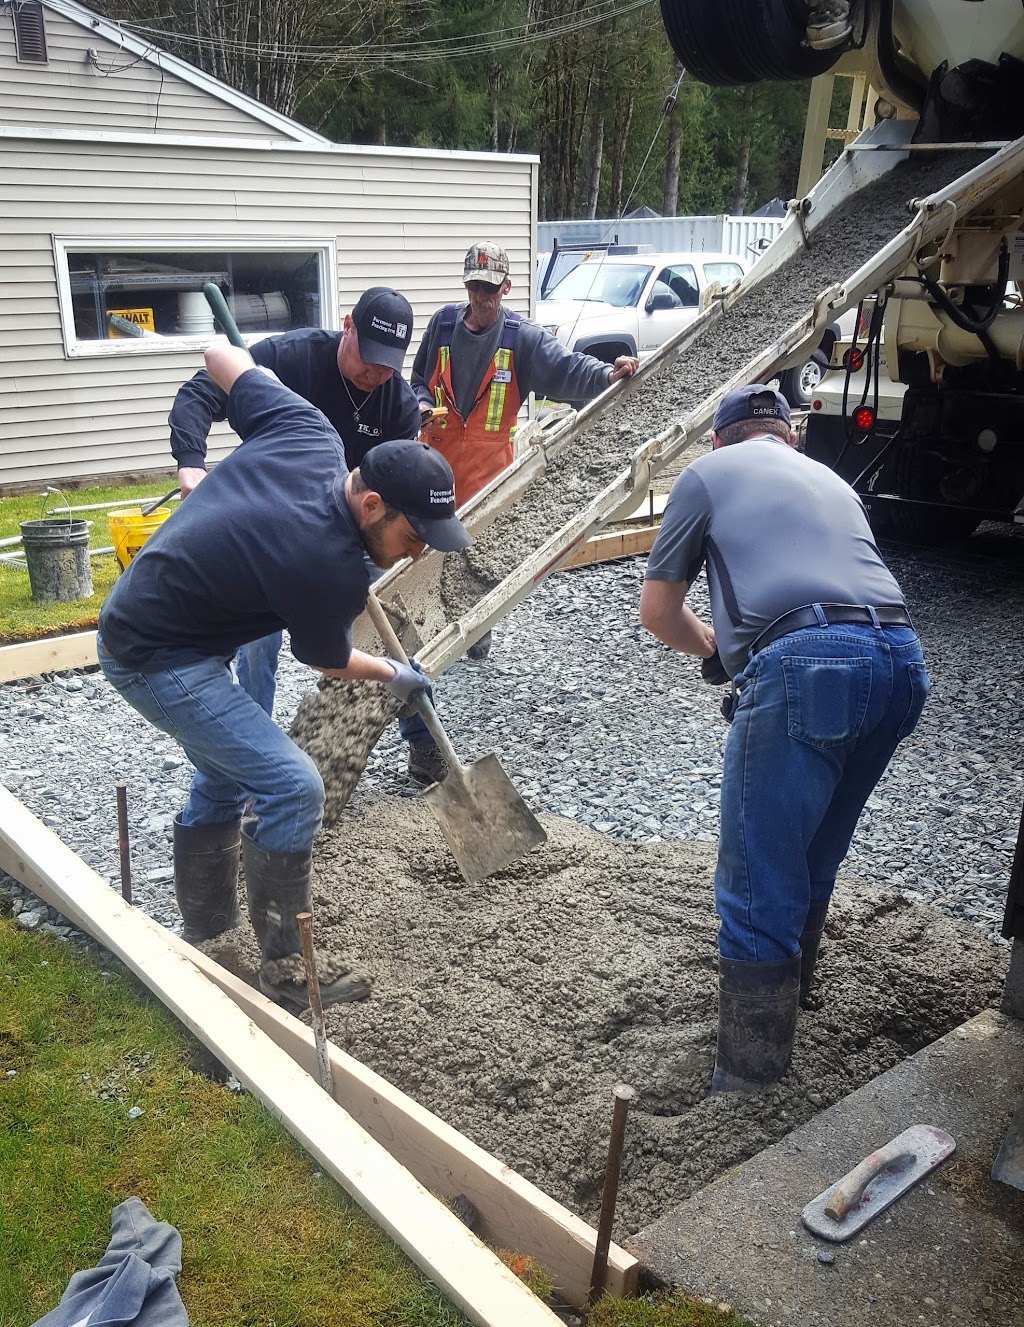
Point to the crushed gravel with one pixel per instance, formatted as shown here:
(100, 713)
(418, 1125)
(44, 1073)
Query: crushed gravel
(612, 925)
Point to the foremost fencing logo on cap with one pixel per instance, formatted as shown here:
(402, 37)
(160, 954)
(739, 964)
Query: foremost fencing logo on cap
(417, 481)
(383, 323)
(397, 331)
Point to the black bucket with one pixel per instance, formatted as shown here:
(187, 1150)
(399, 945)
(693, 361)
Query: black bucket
(57, 553)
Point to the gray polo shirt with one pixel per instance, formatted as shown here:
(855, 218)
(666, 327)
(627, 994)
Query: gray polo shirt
(777, 531)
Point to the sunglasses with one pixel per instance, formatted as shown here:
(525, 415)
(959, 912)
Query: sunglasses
(482, 287)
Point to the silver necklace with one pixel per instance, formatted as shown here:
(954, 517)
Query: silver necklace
(355, 408)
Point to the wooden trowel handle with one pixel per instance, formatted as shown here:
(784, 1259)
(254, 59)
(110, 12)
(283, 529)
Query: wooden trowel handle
(385, 630)
(850, 1190)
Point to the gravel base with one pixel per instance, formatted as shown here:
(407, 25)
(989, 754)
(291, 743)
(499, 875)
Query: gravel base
(597, 722)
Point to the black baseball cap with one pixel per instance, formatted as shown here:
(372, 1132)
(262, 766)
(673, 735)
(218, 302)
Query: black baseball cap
(417, 481)
(383, 321)
(755, 401)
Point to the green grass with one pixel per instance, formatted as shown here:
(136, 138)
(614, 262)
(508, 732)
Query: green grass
(264, 1240)
(23, 619)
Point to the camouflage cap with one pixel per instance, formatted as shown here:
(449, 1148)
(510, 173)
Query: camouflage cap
(486, 262)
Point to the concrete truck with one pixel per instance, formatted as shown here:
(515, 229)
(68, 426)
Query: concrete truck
(950, 326)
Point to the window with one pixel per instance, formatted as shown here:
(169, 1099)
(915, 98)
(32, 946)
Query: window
(726, 273)
(618, 284)
(681, 280)
(138, 296)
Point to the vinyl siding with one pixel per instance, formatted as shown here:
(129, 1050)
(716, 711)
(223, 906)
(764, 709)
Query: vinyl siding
(397, 219)
(120, 92)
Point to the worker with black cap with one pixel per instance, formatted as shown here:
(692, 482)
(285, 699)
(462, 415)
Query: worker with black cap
(828, 677)
(274, 537)
(352, 376)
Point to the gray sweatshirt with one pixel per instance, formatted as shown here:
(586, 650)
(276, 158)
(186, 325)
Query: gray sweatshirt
(542, 364)
(134, 1281)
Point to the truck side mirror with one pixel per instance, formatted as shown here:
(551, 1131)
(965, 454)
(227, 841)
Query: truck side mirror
(662, 300)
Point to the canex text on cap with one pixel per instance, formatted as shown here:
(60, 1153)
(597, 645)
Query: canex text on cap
(383, 322)
(417, 481)
(486, 262)
(754, 402)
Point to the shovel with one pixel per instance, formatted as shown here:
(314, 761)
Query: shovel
(486, 823)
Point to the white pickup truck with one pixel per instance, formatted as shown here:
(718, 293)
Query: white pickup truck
(629, 304)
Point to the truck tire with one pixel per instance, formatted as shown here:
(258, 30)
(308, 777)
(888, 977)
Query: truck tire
(798, 385)
(731, 42)
(608, 351)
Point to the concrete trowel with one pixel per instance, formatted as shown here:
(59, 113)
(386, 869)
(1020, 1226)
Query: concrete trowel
(883, 1176)
(486, 823)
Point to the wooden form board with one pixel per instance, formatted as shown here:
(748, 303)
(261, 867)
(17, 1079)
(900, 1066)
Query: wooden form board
(272, 1054)
(56, 654)
(620, 544)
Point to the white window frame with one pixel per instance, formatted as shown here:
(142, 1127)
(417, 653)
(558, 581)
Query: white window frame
(74, 348)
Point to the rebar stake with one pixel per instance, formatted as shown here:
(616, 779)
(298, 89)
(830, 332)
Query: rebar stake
(123, 846)
(323, 1063)
(622, 1095)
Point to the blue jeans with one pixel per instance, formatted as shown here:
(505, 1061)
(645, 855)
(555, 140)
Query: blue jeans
(239, 752)
(256, 670)
(819, 714)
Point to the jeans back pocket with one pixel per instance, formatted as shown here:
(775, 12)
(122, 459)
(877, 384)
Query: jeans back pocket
(826, 699)
(917, 676)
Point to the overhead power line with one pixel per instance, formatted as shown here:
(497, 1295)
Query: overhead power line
(369, 55)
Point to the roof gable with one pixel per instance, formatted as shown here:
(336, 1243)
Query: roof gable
(111, 31)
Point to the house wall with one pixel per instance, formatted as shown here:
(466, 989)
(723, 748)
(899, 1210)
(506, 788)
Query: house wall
(400, 218)
(115, 91)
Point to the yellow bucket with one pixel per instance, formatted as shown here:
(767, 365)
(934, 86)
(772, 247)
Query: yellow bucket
(129, 530)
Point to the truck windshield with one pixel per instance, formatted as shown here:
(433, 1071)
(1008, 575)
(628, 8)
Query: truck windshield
(618, 284)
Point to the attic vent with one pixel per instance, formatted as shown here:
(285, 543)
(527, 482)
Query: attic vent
(29, 31)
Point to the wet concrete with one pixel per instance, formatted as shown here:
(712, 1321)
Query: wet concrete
(512, 1007)
(950, 1251)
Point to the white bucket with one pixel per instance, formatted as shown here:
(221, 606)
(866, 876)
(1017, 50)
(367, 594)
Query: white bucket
(195, 317)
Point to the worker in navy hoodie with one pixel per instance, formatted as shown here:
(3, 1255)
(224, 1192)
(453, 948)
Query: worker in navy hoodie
(277, 536)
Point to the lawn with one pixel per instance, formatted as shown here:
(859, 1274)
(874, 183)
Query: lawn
(21, 618)
(101, 1100)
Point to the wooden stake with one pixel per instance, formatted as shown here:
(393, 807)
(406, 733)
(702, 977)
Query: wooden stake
(123, 846)
(622, 1095)
(316, 1008)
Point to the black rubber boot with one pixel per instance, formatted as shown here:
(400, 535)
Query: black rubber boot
(206, 878)
(757, 1008)
(427, 765)
(481, 648)
(810, 941)
(277, 888)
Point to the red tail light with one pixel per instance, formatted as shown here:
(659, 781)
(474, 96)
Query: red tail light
(853, 360)
(864, 418)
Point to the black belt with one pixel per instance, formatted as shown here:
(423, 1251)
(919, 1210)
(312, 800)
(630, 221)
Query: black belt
(799, 619)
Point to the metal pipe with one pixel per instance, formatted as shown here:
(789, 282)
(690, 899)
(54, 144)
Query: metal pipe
(622, 1095)
(316, 1008)
(123, 845)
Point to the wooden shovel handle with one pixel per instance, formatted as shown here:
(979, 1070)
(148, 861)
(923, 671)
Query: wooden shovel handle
(420, 699)
(850, 1189)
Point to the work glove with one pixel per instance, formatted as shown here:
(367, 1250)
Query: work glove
(713, 670)
(407, 680)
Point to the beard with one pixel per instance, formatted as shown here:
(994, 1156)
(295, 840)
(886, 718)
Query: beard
(373, 540)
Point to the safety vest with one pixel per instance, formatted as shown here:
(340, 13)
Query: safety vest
(480, 446)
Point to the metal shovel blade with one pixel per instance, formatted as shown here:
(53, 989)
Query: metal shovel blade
(1008, 1167)
(486, 823)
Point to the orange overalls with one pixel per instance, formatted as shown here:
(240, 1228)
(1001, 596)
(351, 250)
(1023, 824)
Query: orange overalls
(479, 447)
